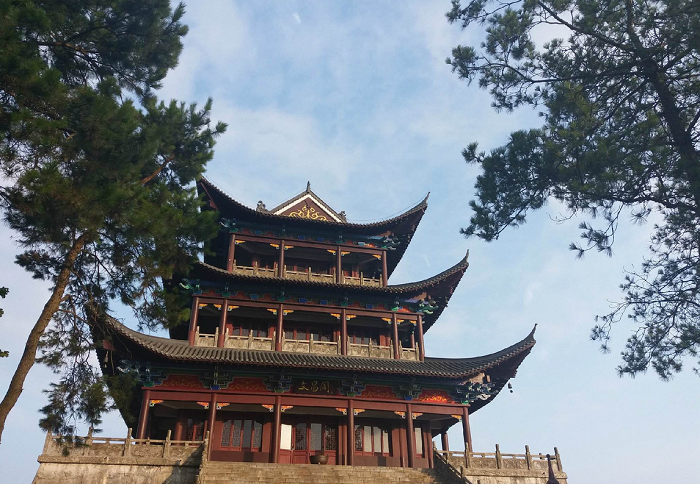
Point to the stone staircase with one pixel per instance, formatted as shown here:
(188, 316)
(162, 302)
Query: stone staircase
(249, 472)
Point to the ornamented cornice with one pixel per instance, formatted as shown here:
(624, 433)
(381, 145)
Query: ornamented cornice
(351, 388)
(472, 391)
(278, 383)
(216, 380)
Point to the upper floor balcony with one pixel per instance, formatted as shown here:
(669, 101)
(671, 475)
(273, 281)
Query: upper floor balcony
(307, 262)
(305, 331)
(308, 274)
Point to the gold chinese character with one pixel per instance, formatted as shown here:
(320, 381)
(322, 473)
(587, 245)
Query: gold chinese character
(314, 386)
(303, 385)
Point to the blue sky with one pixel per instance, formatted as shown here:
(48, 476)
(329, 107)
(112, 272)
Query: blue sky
(356, 98)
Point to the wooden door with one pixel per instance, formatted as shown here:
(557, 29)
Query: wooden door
(314, 437)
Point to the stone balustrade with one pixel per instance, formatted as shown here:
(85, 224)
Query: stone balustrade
(111, 447)
(499, 460)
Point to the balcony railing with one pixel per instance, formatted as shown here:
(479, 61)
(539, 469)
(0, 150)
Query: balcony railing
(249, 342)
(370, 350)
(311, 346)
(204, 339)
(307, 275)
(254, 271)
(409, 353)
(362, 281)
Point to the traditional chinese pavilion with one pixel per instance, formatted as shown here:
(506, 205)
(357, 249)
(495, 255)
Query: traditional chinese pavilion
(298, 346)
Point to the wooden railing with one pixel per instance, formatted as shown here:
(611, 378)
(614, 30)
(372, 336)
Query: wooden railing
(499, 460)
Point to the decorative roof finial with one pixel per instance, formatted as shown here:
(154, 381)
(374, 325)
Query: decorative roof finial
(308, 186)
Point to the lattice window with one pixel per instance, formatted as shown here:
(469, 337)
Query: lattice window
(371, 439)
(300, 437)
(331, 438)
(226, 434)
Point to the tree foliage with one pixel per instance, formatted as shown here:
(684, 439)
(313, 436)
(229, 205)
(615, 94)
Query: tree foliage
(620, 98)
(100, 176)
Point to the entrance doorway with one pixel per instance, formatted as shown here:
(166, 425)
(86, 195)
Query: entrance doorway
(302, 437)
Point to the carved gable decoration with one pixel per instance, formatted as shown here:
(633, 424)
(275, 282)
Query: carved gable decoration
(308, 205)
(308, 208)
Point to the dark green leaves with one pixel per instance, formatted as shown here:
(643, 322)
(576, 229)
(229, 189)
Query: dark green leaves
(620, 97)
(90, 155)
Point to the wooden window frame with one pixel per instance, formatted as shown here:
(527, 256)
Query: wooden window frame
(242, 447)
(383, 452)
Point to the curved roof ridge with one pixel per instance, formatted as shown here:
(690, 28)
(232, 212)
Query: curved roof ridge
(504, 354)
(459, 266)
(422, 205)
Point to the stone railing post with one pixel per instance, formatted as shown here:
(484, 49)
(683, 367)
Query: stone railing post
(127, 443)
(558, 457)
(467, 456)
(528, 457)
(499, 459)
(166, 445)
(47, 442)
(205, 449)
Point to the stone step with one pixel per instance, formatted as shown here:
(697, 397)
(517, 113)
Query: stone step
(260, 473)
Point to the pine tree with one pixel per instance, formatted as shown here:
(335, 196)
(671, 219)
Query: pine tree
(100, 175)
(620, 96)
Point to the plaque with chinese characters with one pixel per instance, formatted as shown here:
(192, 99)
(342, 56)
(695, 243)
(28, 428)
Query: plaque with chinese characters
(314, 387)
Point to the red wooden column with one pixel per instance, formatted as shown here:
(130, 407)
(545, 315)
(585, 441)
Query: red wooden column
(343, 332)
(212, 419)
(445, 441)
(397, 343)
(193, 320)
(231, 252)
(143, 416)
(280, 328)
(351, 433)
(276, 431)
(222, 324)
(421, 346)
(338, 266)
(466, 430)
(280, 262)
(385, 276)
(428, 446)
(410, 436)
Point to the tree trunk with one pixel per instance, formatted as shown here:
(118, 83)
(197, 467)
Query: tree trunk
(29, 355)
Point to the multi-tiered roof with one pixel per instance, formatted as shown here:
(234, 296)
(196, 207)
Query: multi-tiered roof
(307, 221)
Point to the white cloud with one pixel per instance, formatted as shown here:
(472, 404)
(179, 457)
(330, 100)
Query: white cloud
(296, 17)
